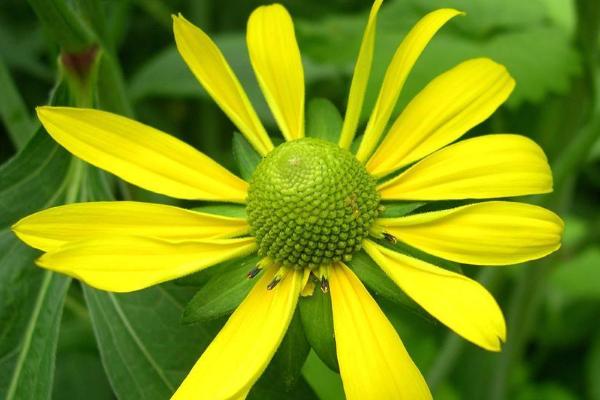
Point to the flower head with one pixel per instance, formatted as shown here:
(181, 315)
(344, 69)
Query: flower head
(311, 206)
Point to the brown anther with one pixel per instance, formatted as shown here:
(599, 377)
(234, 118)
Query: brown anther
(253, 272)
(390, 238)
(273, 283)
(324, 285)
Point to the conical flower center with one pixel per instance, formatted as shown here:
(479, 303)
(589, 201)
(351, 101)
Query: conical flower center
(310, 203)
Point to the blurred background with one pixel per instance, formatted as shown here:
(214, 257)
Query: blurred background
(552, 306)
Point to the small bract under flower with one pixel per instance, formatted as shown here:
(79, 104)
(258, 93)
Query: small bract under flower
(310, 203)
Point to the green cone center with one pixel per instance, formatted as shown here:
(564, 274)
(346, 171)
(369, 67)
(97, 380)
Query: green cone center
(310, 203)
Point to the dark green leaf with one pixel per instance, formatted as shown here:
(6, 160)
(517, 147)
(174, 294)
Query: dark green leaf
(284, 370)
(65, 26)
(223, 292)
(32, 303)
(145, 350)
(593, 368)
(247, 158)
(267, 390)
(33, 179)
(323, 120)
(317, 321)
(31, 299)
(13, 112)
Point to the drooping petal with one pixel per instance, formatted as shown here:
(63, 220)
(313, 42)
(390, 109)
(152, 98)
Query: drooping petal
(373, 361)
(243, 348)
(278, 67)
(488, 233)
(141, 155)
(360, 79)
(210, 67)
(460, 303)
(484, 167)
(443, 111)
(405, 57)
(49, 229)
(128, 263)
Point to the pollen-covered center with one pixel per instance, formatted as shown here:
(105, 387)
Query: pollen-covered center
(310, 203)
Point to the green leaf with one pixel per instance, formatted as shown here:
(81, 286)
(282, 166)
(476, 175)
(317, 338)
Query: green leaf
(266, 390)
(323, 120)
(372, 276)
(145, 350)
(536, 49)
(317, 320)
(227, 210)
(576, 279)
(65, 26)
(13, 112)
(32, 299)
(150, 79)
(30, 319)
(247, 158)
(398, 209)
(323, 380)
(33, 179)
(421, 255)
(223, 292)
(283, 373)
(593, 369)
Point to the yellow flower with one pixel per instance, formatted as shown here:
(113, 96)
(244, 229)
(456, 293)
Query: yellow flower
(125, 246)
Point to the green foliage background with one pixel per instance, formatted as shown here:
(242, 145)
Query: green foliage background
(64, 341)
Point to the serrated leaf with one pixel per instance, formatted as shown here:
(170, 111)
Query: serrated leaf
(317, 320)
(246, 157)
(536, 49)
(323, 120)
(150, 79)
(223, 292)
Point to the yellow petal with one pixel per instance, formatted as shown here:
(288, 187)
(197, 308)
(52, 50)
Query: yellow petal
(373, 361)
(141, 155)
(443, 111)
(242, 350)
(488, 233)
(208, 64)
(484, 167)
(49, 229)
(127, 263)
(460, 303)
(405, 57)
(277, 64)
(360, 79)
